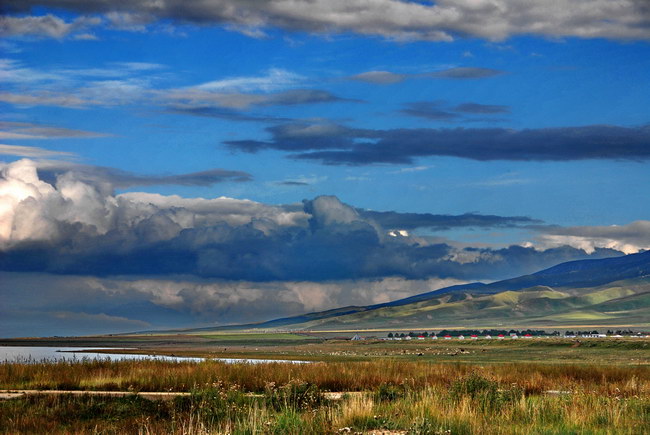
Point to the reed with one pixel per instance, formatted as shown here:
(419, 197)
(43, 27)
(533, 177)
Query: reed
(400, 396)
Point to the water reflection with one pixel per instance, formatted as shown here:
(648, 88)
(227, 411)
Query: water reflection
(35, 354)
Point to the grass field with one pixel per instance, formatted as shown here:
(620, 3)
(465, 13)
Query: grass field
(318, 347)
(394, 395)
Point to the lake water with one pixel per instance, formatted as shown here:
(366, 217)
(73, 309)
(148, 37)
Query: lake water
(38, 354)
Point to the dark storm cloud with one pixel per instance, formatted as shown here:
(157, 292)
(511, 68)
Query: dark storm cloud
(79, 227)
(299, 136)
(335, 144)
(324, 251)
(443, 20)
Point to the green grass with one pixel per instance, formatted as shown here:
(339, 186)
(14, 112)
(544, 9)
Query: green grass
(413, 398)
(244, 336)
(624, 302)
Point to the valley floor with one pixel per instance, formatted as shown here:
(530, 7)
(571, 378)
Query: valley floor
(552, 386)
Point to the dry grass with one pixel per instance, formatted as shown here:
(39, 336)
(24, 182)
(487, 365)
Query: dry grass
(413, 397)
(151, 375)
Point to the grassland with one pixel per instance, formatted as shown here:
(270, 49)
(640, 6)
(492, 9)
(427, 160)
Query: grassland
(553, 386)
(326, 347)
(393, 395)
(620, 302)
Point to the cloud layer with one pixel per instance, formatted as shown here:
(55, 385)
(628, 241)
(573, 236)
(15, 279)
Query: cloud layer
(76, 256)
(335, 144)
(458, 73)
(629, 238)
(74, 224)
(443, 20)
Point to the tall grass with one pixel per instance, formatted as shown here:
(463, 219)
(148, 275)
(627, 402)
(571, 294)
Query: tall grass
(152, 375)
(412, 397)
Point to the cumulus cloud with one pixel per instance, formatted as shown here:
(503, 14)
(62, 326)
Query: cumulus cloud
(336, 144)
(68, 222)
(629, 238)
(443, 20)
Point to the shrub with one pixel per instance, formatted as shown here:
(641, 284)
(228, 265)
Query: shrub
(389, 392)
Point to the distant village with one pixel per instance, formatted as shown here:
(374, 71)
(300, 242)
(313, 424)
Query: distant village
(497, 334)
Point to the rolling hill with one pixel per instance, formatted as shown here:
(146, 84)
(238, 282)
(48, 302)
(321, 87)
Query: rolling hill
(605, 292)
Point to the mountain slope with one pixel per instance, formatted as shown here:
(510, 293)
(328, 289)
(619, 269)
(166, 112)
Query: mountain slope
(611, 304)
(610, 291)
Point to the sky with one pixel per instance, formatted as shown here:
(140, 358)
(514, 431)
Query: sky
(172, 164)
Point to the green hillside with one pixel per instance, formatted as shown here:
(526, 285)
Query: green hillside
(624, 302)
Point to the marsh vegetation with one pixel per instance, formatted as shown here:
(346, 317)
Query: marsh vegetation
(381, 395)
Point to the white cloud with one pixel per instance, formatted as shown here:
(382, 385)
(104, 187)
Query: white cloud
(217, 302)
(411, 169)
(274, 79)
(32, 209)
(85, 37)
(32, 152)
(27, 130)
(45, 99)
(629, 238)
(443, 20)
(114, 83)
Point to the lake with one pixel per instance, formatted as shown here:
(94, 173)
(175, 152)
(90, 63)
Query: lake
(37, 354)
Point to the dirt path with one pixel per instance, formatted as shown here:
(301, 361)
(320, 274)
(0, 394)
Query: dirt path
(151, 395)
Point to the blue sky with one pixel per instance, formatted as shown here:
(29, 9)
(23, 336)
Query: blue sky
(302, 117)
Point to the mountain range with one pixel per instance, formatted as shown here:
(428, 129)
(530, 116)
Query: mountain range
(605, 292)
